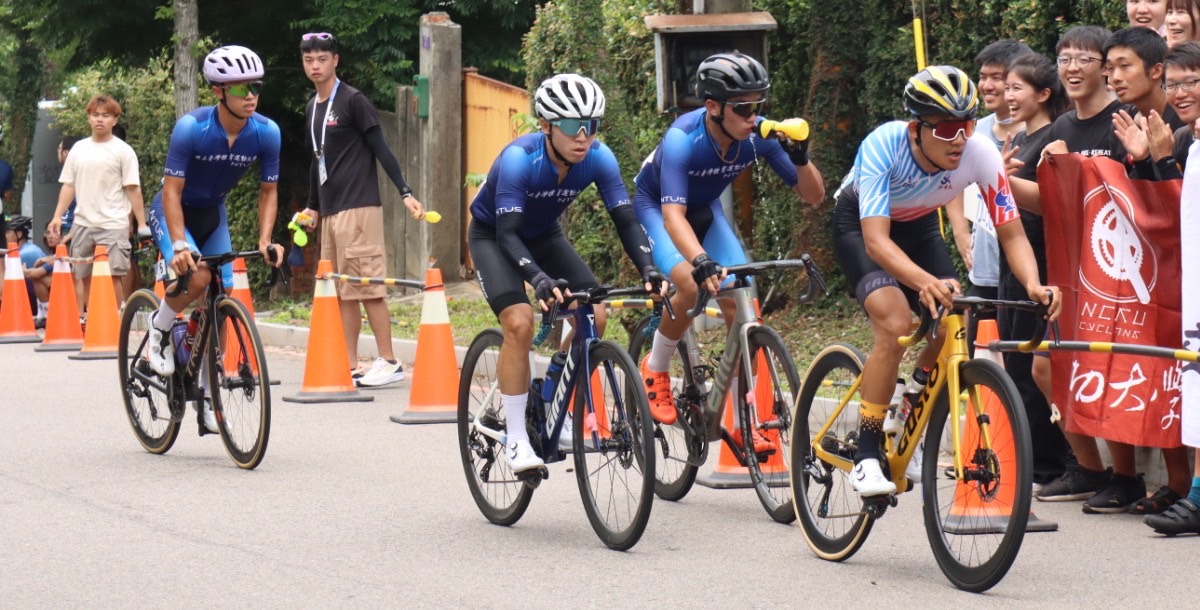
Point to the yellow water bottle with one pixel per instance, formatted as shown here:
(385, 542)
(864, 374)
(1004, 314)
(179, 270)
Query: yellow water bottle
(795, 129)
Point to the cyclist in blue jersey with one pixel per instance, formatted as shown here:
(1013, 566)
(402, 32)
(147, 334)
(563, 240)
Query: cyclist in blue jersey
(678, 197)
(515, 236)
(211, 148)
(887, 239)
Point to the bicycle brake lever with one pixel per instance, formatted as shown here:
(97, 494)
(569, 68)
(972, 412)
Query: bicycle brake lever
(666, 301)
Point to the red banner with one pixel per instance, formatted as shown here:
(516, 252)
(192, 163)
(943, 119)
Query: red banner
(1113, 246)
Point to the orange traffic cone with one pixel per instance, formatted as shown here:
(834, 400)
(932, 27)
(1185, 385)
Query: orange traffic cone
(729, 473)
(241, 292)
(326, 365)
(62, 321)
(973, 512)
(433, 398)
(100, 341)
(16, 316)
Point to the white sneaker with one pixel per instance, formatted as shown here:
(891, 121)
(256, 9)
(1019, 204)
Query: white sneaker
(161, 351)
(382, 373)
(521, 456)
(913, 471)
(868, 480)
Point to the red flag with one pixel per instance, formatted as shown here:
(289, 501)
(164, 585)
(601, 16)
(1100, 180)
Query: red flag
(1113, 246)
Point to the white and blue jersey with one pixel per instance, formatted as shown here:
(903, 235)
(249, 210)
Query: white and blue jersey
(686, 169)
(525, 181)
(200, 154)
(889, 182)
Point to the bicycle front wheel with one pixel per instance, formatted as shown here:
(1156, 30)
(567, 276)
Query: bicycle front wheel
(976, 524)
(613, 450)
(147, 396)
(500, 495)
(829, 510)
(673, 475)
(768, 414)
(239, 385)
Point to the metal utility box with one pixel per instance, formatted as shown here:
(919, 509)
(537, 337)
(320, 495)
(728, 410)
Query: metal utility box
(421, 91)
(681, 42)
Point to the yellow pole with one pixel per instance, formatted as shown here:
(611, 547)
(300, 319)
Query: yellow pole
(919, 42)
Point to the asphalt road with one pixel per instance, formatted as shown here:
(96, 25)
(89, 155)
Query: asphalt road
(351, 510)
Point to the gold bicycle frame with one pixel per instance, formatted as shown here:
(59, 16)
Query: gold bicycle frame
(945, 372)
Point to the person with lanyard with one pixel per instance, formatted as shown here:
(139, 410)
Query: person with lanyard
(210, 149)
(515, 237)
(346, 140)
(678, 198)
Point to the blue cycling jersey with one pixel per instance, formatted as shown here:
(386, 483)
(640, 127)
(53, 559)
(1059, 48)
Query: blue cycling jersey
(524, 179)
(686, 169)
(200, 153)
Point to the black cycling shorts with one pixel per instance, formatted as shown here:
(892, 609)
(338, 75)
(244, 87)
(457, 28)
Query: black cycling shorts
(920, 239)
(503, 286)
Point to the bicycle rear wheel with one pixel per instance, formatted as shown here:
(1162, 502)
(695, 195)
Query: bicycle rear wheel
(147, 396)
(500, 495)
(976, 525)
(769, 413)
(830, 511)
(239, 385)
(673, 475)
(613, 447)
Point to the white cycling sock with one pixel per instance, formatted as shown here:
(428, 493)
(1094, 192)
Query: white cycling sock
(43, 308)
(514, 415)
(164, 317)
(660, 352)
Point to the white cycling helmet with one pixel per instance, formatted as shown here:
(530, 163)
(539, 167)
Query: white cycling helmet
(569, 96)
(232, 64)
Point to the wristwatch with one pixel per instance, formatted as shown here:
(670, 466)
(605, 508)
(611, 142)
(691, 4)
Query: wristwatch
(180, 245)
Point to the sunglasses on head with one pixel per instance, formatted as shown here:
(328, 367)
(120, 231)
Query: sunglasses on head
(317, 35)
(949, 130)
(573, 127)
(746, 109)
(245, 89)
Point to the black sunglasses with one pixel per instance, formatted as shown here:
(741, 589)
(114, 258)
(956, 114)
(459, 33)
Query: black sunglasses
(746, 109)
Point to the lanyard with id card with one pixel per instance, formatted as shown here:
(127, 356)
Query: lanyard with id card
(319, 149)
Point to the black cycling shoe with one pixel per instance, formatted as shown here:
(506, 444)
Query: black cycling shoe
(1182, 518)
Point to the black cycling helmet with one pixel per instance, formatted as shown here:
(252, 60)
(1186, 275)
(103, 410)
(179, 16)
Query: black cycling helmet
(941, 91)
(21, 224)
(727, 75)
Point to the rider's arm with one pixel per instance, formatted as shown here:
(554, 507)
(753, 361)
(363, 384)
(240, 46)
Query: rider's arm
(673, 192)
(172, 204)
(682, 235)
(1026, 193)
(620, 209)
(961, 229)
(804, 180)
(1007, 220)
(511, 187)
(268, 205)
(811, 186)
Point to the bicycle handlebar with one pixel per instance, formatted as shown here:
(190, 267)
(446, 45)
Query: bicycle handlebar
(216, 260)
(816, 283)
(978, 304)
(587, 296)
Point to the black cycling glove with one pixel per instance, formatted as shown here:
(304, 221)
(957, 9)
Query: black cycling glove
(543, 287)
(797, 152)
(650, 275)
(704, 268)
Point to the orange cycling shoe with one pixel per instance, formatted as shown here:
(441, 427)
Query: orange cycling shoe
(762, 444)
(658, 390)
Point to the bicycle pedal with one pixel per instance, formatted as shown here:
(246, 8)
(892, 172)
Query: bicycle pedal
(534, 477)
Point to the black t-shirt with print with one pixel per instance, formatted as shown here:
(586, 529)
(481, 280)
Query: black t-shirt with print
(349, 163)
(1093, 137)
(1183, 142)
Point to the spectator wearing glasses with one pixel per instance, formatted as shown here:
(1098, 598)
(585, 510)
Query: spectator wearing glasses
(678, 197)
(210, 149)
(101, 176)
(515, 237)
(346, 140)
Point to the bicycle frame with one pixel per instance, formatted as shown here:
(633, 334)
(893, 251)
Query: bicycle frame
(737, 350)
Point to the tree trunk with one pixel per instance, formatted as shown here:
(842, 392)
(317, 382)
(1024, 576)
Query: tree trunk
(187, 30)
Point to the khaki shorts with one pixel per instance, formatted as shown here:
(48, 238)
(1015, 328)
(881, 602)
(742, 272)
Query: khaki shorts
(353, 240)
(83, 244)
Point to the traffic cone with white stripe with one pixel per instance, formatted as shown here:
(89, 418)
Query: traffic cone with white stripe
(101, 340)
(16, 315)
(973, 512)
(433, 398)
(62, 320)
(326, 364)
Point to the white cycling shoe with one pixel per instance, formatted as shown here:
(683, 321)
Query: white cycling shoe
(161, 352)
(868, 480)
(521, 456)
